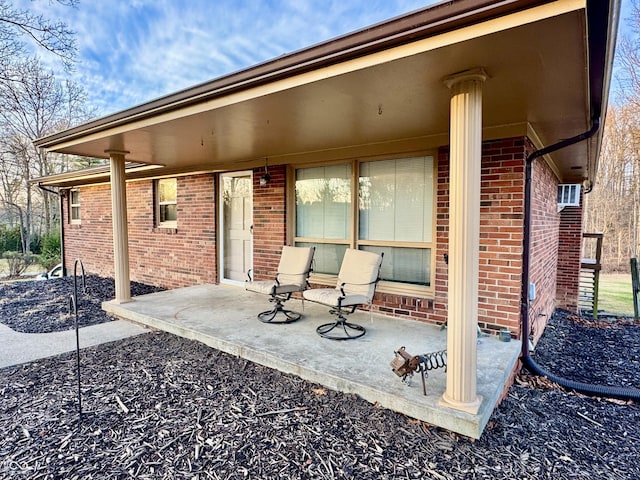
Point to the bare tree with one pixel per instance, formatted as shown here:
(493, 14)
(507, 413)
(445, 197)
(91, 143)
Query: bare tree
(19, 27)
(34, 104)
(629, 78)
(614, 205)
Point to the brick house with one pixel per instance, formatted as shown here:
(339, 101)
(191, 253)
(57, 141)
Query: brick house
(437, 137)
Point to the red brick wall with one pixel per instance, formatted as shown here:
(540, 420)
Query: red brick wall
(92, 240)
(269, 221)
(501, 217)
(169, 258)
(569, 256)
(501, 234)
(545, 222)
(187, 255)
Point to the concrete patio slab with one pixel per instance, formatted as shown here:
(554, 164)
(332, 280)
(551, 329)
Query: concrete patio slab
(224, 318)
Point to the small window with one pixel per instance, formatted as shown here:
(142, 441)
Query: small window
(166, 203)
(568, 195)
(74, 206)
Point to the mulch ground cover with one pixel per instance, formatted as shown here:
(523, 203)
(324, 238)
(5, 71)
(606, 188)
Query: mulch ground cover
(44, 306)
(161, 407)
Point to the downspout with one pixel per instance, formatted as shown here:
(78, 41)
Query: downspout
(61, 205)
(623, 393)
(599, 13)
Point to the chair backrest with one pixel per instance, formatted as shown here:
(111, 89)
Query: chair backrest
(295, 265)
(359, 272)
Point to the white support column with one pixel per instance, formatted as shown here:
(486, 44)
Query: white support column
(120, 229)
(464, 239)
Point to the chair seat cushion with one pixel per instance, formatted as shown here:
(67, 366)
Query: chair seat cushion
(330, 296)
(266, 287)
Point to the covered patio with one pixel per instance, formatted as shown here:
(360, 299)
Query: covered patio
(224, 317)
(519, 81)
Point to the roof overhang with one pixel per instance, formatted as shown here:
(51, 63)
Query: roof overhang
(379, 90)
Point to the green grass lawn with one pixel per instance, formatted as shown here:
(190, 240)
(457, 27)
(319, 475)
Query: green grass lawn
(615, 295)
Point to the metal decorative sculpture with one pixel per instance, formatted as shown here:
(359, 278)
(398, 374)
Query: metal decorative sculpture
(405, 365)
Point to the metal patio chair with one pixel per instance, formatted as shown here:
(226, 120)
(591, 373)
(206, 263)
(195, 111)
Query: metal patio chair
(292, 276)
(357, 280)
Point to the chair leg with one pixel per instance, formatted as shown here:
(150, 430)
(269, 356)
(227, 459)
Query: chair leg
(344, 330)
(271, 316)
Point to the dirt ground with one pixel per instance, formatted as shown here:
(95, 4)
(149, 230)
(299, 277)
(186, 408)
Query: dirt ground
(161, 407)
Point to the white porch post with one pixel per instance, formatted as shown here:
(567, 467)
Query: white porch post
(120, 229)
(464, 239)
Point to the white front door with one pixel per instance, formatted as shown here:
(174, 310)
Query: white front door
(236, 226)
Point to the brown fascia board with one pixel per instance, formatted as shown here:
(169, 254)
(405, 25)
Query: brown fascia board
(98, 174)
(102, 174)
(430, 21)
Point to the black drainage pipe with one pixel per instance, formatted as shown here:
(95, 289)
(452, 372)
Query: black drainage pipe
(621, 393)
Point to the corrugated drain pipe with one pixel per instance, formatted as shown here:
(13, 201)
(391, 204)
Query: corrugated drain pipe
(623, 393)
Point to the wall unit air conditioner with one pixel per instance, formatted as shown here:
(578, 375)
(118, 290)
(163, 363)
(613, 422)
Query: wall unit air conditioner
(568, 195)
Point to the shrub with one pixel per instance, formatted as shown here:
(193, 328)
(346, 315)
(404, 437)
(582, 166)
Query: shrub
(36, 244)
(18, 262)
(50, 250)
(10, 239)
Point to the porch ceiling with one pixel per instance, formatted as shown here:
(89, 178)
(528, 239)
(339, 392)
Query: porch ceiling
(538, 85)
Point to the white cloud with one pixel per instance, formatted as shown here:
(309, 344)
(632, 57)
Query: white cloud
(133, 51)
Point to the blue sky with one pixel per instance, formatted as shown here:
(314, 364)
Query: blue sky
(133, 51)
(137, 50)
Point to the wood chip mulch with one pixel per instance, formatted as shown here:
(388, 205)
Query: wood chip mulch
(44, 306)
(161, 407)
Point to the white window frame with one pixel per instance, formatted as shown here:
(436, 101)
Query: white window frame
(568, 195)
(74, 219)
(159, 204)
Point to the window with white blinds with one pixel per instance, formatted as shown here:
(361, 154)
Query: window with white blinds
(74, 206)
(166, 202)
(323, 213)
(323, 202)
(394, 214)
